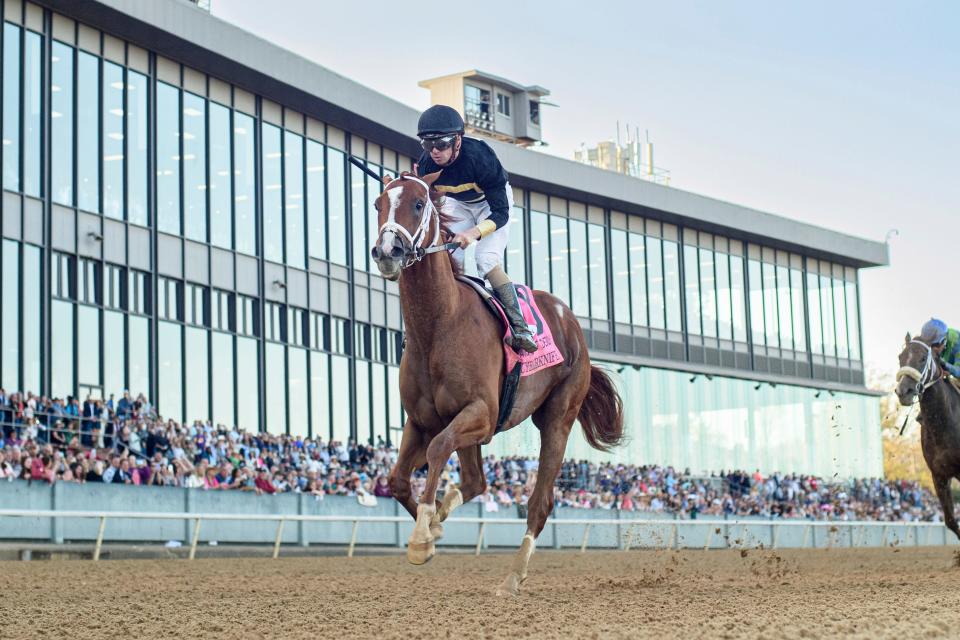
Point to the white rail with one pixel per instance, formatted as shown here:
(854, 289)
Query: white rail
(589, 523)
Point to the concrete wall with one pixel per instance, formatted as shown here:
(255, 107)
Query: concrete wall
(673, 533)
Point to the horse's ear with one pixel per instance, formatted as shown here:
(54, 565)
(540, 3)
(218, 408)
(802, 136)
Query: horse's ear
(907, 339)
(386, 180)
(430, 178)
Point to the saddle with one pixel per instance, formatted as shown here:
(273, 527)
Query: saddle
(508, 393)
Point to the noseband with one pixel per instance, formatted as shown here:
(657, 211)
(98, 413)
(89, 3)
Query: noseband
(413, 244)
(926, 378)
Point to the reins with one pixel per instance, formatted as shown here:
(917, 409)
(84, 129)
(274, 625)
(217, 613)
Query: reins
(929, 376)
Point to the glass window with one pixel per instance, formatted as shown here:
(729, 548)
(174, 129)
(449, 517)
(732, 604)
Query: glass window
(708, 293)
(32, 90)
(61, 124)
(395, 422)
(579, 267)
(316, 194)
(293, 192)
(378, 398)
(137, 101)
(221, 377)
(221, 217)
(503, 105)
(88, 286)
(11, 107)
(658, 304)
(540, 250)
(194, 306)
(358, 207)
(113, 140)
(272, 194)
(598, 272)
(516, 249)
(113, 277)
(738, 299)
(691, 274)
(319, 396)
(114, 341)
(10, 317)
(829, 327)
(246, 316)
(168, 158)
(620, 263)
(840, 311)
(770, 304)
(197, 374)
(853, 319)
(139, 348)
(373, 225)
(170, 371)
(671, 278)
(244, 183)
(195, 167)
(340, 398)
(297, 388)
(248, 386)
(559, 258)
(362, 395)
(813, 303)
(638, 278)
(88, 132)
(784, 307)
(337, 212)
(724, 309)
(756, 303)
(61, 349)
(275, 377)
(88, 346)
(137, 294)
(31, 317)
(535, 113)
(796, 301)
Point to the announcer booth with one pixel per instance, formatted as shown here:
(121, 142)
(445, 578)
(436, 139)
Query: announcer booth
(180, 219)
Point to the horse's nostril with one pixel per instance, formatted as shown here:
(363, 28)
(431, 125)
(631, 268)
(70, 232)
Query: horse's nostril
(396, 252)
(376, 253)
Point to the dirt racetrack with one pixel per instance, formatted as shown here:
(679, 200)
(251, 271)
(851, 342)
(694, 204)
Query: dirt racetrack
(870, 593)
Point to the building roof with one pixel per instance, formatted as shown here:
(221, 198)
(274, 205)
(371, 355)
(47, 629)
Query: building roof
(476, 74)
(178, 30)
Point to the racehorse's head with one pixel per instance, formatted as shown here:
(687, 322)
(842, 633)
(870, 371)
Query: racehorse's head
(919, 369)
(408, 221)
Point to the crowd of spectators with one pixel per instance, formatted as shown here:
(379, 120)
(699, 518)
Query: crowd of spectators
(126, 442)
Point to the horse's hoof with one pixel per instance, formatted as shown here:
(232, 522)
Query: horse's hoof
(510, 586)
(420, 552)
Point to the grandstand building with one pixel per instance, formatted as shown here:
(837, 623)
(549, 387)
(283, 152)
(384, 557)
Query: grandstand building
(179, 219)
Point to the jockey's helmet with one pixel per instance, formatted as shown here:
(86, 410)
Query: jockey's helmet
(934, 331)
(438, 121)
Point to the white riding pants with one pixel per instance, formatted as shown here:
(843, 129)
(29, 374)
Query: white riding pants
(488, 251)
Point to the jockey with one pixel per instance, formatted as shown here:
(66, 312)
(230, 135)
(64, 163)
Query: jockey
(477, 201)
(944, 342)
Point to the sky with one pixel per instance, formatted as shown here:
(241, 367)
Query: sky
(843, 115)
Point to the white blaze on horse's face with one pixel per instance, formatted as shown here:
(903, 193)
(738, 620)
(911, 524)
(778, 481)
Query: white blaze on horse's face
(404, 223)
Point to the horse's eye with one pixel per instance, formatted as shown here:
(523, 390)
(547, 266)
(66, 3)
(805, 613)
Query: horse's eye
(376, 205)
(419, 205)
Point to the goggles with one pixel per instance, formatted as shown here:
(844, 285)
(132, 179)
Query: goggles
(440, 144)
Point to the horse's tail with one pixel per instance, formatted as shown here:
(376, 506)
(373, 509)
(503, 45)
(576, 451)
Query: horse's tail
(601, 414)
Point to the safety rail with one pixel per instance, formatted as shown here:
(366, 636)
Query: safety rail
(713, 526)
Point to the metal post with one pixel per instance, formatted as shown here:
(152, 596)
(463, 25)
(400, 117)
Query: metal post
(806, 532)
(586, 536)
(706, 545)
(629, 541)
(276, 541)
(883, 536)
(353, 538)
(774, 535)
(483, 527)
(196, 537)
(96, 549)
(674, 537)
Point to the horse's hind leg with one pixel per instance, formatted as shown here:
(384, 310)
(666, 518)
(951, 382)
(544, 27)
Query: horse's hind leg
(941, 484)
(554, 419)
(472, 484)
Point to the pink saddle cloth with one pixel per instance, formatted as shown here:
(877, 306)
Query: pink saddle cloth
(547, 354)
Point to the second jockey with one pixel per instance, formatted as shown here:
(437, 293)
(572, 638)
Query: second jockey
(476, 202)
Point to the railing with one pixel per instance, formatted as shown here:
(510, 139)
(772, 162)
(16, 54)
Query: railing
(673, 542)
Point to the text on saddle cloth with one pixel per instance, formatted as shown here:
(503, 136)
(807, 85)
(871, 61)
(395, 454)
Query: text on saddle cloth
(547, 354)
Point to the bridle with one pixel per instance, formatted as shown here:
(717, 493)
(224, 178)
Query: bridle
(414, 249)
(926, 377)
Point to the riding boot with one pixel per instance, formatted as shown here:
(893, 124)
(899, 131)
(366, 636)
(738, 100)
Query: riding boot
(522, 336)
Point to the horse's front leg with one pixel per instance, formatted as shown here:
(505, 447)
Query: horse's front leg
(412, 454)
(469, 427)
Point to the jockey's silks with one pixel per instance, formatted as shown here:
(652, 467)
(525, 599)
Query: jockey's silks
(951, 352)
(475, 175)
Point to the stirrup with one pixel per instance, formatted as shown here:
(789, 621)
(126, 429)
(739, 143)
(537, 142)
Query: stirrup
(524, 341)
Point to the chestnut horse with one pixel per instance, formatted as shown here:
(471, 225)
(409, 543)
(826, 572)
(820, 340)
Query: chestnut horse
(452, 371)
